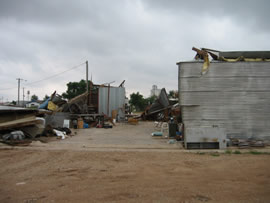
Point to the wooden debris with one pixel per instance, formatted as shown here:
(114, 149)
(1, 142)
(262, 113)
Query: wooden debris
(31, 120)
(132, 121)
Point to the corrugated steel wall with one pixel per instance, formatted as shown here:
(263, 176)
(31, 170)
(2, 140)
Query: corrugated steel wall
(234, 96)
(117, 100)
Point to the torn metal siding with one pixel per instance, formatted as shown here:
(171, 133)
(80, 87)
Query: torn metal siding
(234, 96)
(116, 100)
(160, 103)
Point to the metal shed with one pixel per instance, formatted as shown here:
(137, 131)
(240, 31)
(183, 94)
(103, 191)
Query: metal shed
(111, 98)
(234, 96)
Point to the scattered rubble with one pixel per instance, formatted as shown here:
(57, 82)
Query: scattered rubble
(21, 126)
(99, 107)
(248, 143)
(159, 110)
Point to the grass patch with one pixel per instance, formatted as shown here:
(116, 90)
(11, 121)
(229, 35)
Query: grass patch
(237, 152)
(228, 151)
(200, 153)
(214, 154)
(257, 153)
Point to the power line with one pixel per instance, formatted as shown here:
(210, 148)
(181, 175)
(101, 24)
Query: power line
(47, 78)
(10, 88)
(50, 77)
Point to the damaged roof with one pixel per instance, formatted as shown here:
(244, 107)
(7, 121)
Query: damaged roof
(236, 54)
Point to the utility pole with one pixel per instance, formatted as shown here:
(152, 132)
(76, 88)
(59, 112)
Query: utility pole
(19, 83)
(87, 88)
(23, 96)
(90, 92)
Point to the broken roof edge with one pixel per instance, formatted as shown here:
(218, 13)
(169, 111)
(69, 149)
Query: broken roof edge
(216, 61)
(247, 54)
(229, 56)
(224, 55)
(199, 61)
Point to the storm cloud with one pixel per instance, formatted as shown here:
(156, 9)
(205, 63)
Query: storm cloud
(137, 41)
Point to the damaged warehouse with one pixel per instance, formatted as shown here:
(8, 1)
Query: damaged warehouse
(226, 99)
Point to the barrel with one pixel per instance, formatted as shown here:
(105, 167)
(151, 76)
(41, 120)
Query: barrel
(114, 114)
(80, 123)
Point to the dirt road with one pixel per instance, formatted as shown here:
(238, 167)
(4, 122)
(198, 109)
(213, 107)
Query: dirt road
(79, 176)
(33, 174)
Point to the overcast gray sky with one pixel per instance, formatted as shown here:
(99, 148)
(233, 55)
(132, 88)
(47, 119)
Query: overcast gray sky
(139, 41)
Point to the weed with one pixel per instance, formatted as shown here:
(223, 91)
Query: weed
(200, 153)
(237, 152)
(228, 151)
(214, 154)
(257, 153)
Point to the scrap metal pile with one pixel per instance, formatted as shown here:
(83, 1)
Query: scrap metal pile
(161, 109)
(20, 126)
(167, 117)
(57, 104)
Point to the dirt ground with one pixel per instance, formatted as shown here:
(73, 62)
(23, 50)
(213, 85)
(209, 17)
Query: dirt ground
(125, 164)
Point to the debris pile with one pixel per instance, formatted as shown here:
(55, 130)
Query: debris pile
(20, 126)
(169, 130)
(167, 117)
(159, 110)
(97, 107)
(77, 105)
(54, 103)
(15, 138)
(248, 143)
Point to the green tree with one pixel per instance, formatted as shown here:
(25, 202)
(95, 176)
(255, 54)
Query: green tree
(46, 97)
(34, 97)
(151, 100)
(173, 94)
(137, 101)
(74, 89)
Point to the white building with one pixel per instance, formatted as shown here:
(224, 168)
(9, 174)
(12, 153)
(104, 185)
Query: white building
(155, 91)
(32, 104)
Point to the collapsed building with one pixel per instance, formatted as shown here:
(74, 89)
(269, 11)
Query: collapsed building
(55, 116)
(92, 106)
(227, 98)
(159, 109)
(162, 109)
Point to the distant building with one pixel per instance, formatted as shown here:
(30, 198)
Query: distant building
(155, 91)
(8, 104)
(32, 104)
(21, 103)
